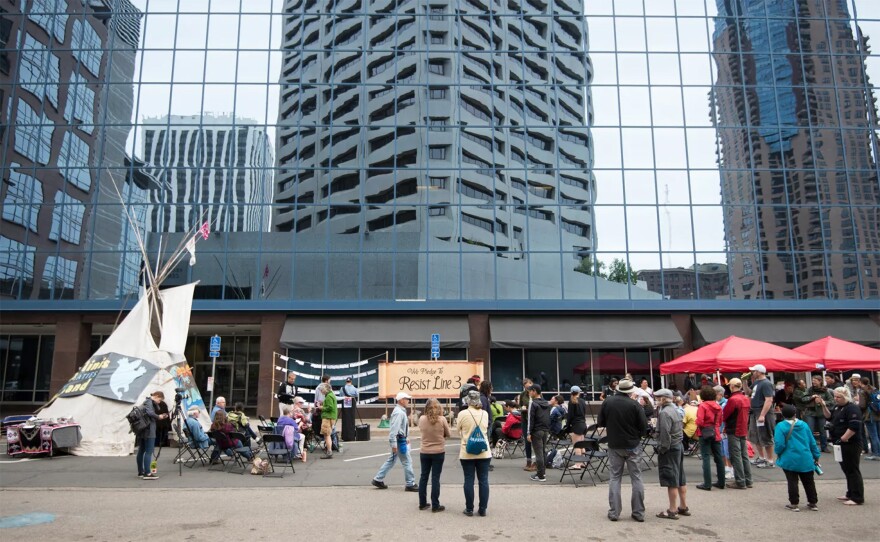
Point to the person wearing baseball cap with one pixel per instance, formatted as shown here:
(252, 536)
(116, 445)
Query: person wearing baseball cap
(398, 439)
(576, 419)
(763, 422)
(625, 425)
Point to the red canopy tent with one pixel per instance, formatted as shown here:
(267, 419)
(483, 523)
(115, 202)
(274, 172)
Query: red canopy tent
(840, 355)
(735, 354)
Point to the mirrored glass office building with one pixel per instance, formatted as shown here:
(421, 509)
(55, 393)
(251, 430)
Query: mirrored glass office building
(563, 189)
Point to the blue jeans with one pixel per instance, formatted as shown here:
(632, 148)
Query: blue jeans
(145, 455)
(432, 465)
(817, 425)
(481, 467)
(405, 460)
(873, 429)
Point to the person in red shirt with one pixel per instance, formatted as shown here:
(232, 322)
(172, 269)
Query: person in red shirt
(736, 420)
(709, 429)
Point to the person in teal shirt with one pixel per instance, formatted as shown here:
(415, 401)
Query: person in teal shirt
(797, 455)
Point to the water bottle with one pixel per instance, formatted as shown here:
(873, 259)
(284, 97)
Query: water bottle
(819, 470)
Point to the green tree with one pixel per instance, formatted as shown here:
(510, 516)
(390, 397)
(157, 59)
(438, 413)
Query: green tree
(587, 267)
(621, 272)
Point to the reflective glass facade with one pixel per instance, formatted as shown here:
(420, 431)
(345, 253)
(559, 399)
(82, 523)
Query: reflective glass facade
(454, 153)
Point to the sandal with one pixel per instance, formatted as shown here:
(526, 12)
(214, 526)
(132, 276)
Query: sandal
(684, 511)
(667, 514)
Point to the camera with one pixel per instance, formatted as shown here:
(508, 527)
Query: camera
(179, 394)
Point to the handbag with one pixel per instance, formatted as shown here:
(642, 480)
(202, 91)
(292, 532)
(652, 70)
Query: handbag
(708, 432)
(476, 442)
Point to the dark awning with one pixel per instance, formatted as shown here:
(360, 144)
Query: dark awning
(583, 332)
(374, 331)
(789, 330)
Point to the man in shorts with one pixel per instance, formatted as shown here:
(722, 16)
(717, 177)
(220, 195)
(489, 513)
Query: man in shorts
(762, 421)
(328, 418)
(671, 456)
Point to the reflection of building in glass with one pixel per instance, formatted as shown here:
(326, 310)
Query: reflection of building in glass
(213, 168)
(681, 283)
(455, 127)
(799, 176)
(59, 55)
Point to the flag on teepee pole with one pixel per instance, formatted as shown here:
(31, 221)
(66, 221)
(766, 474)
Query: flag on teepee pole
(191, 248)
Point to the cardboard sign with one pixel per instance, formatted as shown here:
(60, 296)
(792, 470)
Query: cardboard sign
(426, 379)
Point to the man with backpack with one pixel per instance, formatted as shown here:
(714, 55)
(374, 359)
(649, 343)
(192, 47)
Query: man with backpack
(539, 429)
(145, 437)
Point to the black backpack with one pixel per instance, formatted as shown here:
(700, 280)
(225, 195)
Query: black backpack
(137, 420)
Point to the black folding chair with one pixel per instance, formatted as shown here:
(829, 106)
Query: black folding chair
(186, 452)
(242, 451)
(596, 460)
(594, 431)
(578, 448)
(558, 440)
(221, 454)
(647, 450)
(278, 454)
(511, 445)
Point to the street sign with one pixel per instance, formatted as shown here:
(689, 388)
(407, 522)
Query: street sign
(435, 345)
(214, 353)
(211, 383)
(215, 345)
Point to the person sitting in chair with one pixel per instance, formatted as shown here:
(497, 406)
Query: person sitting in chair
(198, 438)
(242, 424)
(287, 421)
(512, 428)
(557, 414)
(225, 442)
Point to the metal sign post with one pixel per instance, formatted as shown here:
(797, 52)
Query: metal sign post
(214, 353)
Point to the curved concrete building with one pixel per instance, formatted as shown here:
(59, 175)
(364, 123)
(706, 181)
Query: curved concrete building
(463, 122)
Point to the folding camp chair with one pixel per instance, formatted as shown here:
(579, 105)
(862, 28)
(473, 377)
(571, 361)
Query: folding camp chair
(578, 448)
(278, 454)
(596, 460)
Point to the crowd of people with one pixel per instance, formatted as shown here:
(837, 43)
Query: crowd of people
(788, 427)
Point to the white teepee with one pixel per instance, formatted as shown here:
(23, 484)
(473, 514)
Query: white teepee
(105, 431)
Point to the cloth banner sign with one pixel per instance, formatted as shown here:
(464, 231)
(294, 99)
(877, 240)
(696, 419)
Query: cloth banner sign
(426, 379)
(112, 376)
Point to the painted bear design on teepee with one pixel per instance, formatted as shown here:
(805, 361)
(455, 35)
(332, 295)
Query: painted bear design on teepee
(127, 371)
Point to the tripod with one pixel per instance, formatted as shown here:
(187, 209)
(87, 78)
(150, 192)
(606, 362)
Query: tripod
(178, 417)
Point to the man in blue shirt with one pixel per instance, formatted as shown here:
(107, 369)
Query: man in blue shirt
(197, 433)
(219, 404)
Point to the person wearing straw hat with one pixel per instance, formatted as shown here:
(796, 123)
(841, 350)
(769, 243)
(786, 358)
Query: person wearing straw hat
(398, 439)
(625, 424)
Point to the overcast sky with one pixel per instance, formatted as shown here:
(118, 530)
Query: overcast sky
(654, 50)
